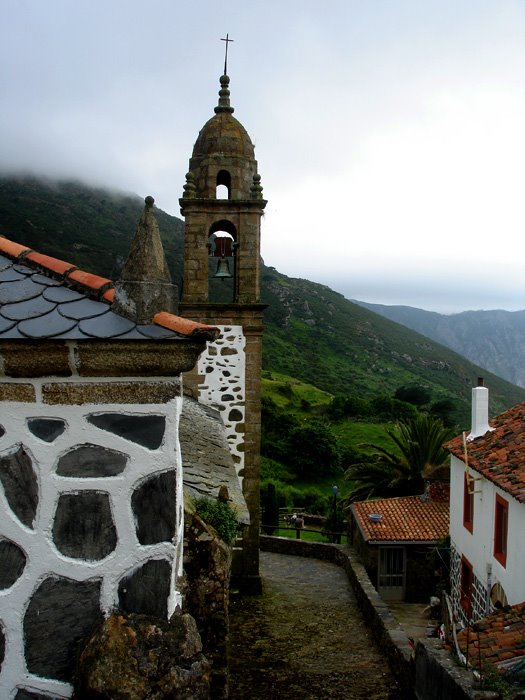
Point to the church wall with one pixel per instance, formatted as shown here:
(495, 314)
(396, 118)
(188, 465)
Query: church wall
(91, 517)
(223, 367)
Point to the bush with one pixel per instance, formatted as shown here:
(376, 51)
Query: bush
(220, 516)
(387, 408)
(270, 510)
(416, 394)
(348, 407)
(313, 450)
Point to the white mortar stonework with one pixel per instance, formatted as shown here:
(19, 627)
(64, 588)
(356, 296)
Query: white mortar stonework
(223, 366)
(43, 559)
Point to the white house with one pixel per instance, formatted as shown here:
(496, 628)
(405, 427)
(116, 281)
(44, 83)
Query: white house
(487, 511)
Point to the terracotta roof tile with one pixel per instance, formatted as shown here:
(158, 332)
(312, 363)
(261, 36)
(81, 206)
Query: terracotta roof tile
(403, 519)
(11, 248)
(86, 279)
(109, 295)
(499, 455)
(60, 267)
(181, 325)
(496, 638)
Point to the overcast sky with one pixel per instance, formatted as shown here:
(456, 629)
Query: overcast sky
(390, 134)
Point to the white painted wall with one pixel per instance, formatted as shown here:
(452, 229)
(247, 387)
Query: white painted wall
(478, 547)
(43, 558)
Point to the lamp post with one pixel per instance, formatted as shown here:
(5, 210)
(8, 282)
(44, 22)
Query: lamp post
(335, 491)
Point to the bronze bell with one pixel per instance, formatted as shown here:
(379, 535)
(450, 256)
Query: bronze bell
(223, 270)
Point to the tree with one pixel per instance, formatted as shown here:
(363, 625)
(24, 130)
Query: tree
(416, 394)
(313, 450)
(445, 410)
(400, 471)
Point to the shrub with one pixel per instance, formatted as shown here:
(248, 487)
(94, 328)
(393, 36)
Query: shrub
(416, 394)
(270, 510)
(220, 516)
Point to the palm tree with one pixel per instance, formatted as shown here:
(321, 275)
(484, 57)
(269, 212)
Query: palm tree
(401, 471)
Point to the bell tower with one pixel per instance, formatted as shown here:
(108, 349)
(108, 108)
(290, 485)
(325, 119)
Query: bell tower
(223, 205)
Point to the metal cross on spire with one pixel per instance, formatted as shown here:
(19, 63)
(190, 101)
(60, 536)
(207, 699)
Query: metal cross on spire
(227, 40)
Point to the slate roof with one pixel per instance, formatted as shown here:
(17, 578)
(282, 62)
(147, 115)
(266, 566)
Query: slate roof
(499, 638)
(46, 298)
(499, 455)
(206, 459)
(403, 519)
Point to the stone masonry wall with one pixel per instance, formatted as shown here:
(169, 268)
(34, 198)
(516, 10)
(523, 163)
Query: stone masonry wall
(245, 568)
(91, 516)
(223, 367)
(207, 565)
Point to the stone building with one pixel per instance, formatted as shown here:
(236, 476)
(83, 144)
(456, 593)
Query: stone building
(223, 205)
(394, 537)
(91, 483)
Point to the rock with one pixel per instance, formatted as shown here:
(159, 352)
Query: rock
(137, 657)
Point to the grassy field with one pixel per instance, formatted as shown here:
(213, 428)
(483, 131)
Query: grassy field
(354, 434)
(292, 394)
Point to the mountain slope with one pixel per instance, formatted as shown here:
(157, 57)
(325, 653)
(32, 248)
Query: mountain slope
(312, 333)
(491, 339)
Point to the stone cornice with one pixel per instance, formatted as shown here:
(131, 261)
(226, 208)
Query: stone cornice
(26, 359)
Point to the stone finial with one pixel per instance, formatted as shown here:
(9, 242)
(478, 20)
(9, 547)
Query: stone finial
(190, 191)
(256, 187)
(224, 96)
(145, 285)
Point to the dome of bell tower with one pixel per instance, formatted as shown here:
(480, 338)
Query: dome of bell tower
(223, 133)
(223, 146)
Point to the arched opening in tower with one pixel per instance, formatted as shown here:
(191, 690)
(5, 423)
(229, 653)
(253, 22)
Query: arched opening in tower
(221, 262)
(224, 185)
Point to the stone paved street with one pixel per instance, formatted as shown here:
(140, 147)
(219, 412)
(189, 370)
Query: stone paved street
(304, 638)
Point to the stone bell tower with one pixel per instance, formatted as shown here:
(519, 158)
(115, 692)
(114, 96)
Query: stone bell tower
(222, 205)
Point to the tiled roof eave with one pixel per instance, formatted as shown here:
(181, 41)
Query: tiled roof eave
(101, 290)
(404, 542)
(518, 493)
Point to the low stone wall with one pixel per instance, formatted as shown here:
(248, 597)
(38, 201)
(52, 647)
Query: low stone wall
(207, 565)
(438, 677)
(430, 672)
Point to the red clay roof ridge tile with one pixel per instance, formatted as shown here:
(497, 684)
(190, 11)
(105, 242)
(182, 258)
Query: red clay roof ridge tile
(183, 325)
(12, 249)
(48, 263)
(86, 282)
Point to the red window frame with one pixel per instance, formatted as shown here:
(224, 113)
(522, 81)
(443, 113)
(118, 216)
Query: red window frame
(465, 583)
(501, 529)
(468, 504)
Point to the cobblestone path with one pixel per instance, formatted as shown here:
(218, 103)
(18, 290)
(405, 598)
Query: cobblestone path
(304, 638)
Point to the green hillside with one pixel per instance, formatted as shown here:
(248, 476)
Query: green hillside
(312, 333)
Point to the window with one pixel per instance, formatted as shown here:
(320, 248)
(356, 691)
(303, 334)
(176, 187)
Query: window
(501, 526)
(465, 593)
(468, 503)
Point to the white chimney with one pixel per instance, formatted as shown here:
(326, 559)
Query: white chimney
(480, 411)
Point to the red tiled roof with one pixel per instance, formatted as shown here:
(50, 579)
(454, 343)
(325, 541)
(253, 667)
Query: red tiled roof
(499, 455)
(496, 638)
(403, 519)
(99, 288)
